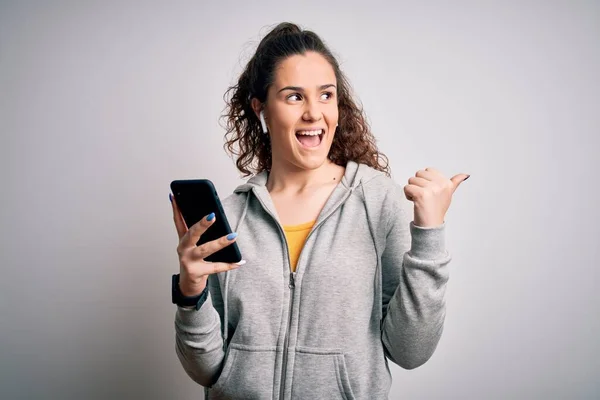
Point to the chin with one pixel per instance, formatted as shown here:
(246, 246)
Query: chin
(312, 161)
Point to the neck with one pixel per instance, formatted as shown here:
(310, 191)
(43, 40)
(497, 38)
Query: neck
(289, 178)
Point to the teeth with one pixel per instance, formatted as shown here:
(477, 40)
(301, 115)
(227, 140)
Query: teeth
(311, 133)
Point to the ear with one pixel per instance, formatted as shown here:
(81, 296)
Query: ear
(257, 106)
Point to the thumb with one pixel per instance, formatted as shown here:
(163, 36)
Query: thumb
(458, 179)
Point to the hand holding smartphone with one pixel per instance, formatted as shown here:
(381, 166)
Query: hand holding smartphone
(196, 199)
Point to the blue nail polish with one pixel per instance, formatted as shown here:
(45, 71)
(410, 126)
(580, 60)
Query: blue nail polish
(210, 217)
(231, 236)
(170, 198)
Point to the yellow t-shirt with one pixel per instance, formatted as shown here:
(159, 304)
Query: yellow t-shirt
(296, 236)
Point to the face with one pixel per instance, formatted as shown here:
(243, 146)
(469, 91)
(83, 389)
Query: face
(301, 111)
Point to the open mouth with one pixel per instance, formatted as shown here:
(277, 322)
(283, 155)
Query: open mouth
(310, 139)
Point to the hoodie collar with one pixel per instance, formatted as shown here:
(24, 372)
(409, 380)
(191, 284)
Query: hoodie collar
(351, 179)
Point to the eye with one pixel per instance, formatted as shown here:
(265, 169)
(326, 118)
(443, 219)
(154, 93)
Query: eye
(326, 95)
(294, 97)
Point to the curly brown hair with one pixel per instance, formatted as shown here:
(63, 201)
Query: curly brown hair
(244, 139)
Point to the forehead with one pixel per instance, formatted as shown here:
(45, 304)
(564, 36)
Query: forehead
(308, 70)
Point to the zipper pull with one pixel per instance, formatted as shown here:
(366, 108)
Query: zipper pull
(292, 284)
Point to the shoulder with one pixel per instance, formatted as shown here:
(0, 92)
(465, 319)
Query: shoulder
(233, 205)
(378, 183)
(234, 202)
(383, 195)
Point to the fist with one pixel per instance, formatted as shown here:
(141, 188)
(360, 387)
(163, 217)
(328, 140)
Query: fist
(431, 194)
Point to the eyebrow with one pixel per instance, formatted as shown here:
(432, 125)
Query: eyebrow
(300, 89)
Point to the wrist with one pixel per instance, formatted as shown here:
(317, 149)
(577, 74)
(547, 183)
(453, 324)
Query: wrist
(191, 298)
(191, 289)
(427, 223)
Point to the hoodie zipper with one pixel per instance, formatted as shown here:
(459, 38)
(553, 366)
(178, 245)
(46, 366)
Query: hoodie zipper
(292, 280)
(291, 286)
(286, 342)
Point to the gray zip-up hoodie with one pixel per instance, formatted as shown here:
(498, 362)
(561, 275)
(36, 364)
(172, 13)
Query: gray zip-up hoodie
(368, 285)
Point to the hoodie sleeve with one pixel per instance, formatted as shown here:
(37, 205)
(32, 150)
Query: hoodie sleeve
(414, 283)
(198, 340)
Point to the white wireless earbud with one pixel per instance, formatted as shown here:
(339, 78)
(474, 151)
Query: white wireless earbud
(262, 122)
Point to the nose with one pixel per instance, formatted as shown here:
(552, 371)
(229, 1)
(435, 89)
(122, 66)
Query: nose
(312, 112)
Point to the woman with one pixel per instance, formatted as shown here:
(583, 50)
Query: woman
(336, 278)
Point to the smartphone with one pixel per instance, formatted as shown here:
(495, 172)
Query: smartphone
(196, 198)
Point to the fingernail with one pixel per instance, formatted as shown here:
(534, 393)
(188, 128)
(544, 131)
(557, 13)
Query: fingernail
(231, 236)
(468, 176)
(210, 216)
(170, 198)
(242, 262)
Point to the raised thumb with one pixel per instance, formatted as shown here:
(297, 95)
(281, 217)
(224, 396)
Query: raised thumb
(458, 179)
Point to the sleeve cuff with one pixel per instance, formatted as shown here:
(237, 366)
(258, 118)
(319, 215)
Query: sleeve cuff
(195, 318)
(428, 243)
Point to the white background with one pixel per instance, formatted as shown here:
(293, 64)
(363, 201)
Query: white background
(102, 104)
